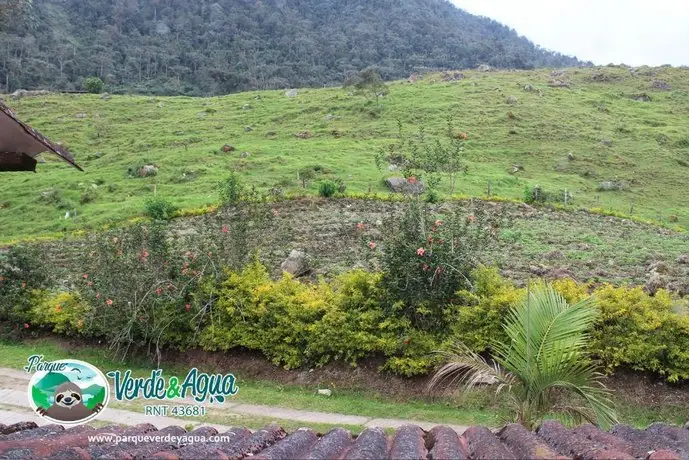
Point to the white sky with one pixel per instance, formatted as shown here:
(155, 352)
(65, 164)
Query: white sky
(633, 32)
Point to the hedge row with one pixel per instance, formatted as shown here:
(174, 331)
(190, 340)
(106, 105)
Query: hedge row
(349, 318)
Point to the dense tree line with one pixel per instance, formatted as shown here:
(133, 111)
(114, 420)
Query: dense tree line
(205, 47)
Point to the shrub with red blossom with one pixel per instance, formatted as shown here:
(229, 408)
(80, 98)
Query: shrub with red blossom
(426, 258)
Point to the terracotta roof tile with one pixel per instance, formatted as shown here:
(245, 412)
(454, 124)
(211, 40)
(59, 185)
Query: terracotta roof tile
(551, 440)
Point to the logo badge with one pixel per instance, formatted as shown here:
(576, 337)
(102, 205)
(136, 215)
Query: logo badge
(67, 391)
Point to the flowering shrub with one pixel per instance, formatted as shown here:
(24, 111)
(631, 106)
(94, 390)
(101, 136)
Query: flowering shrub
(23, 278)
(137, 287)
(426, 259)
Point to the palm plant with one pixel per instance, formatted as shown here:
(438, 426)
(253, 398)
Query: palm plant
(543, 362)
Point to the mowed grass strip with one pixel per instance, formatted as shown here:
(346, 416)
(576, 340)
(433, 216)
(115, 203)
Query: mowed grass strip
(478, 407)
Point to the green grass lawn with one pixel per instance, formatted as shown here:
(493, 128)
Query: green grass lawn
(479, 407)
(648, 149)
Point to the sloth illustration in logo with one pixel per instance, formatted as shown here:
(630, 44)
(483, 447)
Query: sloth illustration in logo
(69, 405)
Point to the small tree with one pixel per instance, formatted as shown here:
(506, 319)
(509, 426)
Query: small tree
(93, 85)
(542, 362)
(418, 156)
(368, 82)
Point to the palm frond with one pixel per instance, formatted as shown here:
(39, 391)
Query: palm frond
(543, 358)
(467, 369)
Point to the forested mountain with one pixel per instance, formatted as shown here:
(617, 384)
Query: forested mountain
(203, 47)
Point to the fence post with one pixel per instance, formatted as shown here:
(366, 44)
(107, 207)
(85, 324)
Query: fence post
(488, 191)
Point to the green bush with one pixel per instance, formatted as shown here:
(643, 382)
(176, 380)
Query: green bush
(137, 290)
(641, 332)
(93, 85)
(160, 209)
(327, 188)
(292, 323)
(479, 318)
(231, 190)
(24, 277)
(140, 290)
(535, 194)
(88, 196)
(634, 330)
(427, 258)
(63, 312)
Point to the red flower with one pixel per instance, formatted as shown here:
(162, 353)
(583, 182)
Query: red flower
(142, 319)
(439, 270)
(421, 252)
(472, 218)
(430, 239)
(372, 245)
(86, 276)
(187, 307)
(275, 212)
(210, 254)
(360, 226)
(144, 253)
(225, 229)
(58, 308)
(158, 291)
(98, 295)
(438, 223)
(109, 301)
(425, 267)
(26, 325)
(89, 284)
(412, 180)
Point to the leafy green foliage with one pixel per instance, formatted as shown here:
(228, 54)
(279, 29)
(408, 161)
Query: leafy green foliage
(160, 209)
(642, 332)
(367, 82)
(327, 189)
(140, 292)
(93, 85)
(295, 324)
(420, 156)
(135, 50)
(231, 190)
(543, 358)
(62, 312)
(426, 258)
(13, 13)
(23, 279)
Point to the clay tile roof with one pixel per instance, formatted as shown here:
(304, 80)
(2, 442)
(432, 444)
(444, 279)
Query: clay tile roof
(551, 441)
(20, 144)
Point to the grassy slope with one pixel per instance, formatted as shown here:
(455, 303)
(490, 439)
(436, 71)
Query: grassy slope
(184, 136)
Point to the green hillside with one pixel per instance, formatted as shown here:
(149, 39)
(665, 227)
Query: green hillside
(176, 47)
(620, 125)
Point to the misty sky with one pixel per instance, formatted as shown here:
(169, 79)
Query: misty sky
(633, 32)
